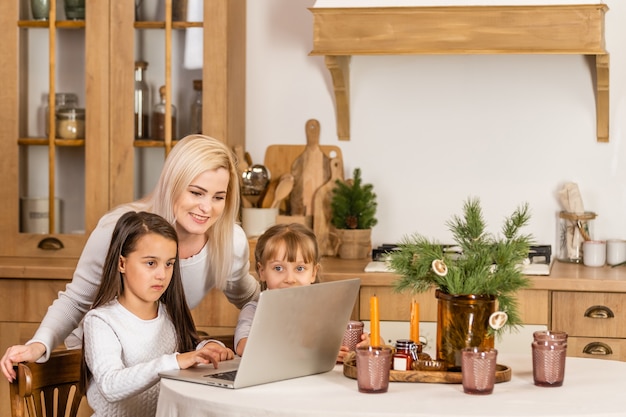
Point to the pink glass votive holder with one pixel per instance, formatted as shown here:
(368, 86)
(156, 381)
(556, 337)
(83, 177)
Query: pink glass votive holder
(478, 368)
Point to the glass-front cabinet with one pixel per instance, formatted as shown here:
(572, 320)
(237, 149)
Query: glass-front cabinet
(94, 95)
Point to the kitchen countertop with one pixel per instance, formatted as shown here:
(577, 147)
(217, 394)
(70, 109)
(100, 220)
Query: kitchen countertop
(563, 276)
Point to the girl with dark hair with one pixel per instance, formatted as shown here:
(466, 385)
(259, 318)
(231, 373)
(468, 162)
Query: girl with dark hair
(139, 321)
(198, 194)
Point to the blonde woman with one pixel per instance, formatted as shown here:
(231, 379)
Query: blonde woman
(198, 193)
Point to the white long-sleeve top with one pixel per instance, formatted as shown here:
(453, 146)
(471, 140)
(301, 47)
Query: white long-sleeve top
(125, 355)
(67, 311)
(244, 321)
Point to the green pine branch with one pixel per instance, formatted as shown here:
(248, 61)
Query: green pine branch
(353, 204)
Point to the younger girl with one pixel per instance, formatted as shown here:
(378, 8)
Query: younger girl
(139, 320)
(286, 255)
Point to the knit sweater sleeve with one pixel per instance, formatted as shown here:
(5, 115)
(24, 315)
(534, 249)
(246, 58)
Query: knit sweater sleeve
(244, 322)
(241, 287)
(112, 355)
(69, 308)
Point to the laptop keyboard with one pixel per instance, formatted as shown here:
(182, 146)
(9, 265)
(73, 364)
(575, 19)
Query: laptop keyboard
(228, 376)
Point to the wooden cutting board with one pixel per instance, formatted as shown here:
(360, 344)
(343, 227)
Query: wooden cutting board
(278, 160)
(328, 241)
(310, 171)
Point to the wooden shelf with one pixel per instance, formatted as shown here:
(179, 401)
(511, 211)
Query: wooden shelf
(339, 33)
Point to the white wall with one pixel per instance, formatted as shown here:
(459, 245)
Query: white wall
(430, 131)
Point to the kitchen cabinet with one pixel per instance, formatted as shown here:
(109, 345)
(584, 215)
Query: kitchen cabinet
(594, 322)
(94, 58)
(339, 33)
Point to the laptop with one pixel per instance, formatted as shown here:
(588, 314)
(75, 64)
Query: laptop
(296, 332)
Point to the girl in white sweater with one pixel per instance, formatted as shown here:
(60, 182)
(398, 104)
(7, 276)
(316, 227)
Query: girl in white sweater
(139, 321)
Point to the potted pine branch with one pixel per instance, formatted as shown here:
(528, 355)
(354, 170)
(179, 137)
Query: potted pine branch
(475, 282)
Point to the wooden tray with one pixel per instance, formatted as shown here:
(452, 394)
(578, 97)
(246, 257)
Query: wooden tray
(503, 374)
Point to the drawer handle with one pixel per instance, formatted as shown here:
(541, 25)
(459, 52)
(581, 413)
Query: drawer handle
(50, 243)
(598, 348)
(599, 312)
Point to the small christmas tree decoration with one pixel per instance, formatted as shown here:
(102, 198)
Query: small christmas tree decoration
(353, 204)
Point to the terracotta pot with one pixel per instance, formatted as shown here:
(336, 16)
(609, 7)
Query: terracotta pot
(462, 321)
(354, 243)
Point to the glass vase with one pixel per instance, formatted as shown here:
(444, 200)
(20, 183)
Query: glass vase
(462, 322)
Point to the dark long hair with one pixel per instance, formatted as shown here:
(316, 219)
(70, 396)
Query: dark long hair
(128, 230)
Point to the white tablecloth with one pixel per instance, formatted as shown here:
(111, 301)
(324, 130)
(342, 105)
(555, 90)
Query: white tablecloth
(592, 387)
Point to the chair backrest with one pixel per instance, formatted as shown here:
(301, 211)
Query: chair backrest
(53, 386)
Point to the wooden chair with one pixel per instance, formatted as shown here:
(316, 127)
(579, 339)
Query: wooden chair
(48, 389)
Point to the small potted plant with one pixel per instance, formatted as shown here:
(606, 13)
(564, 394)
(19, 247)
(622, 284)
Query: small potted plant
(353, 214)
(475, 279)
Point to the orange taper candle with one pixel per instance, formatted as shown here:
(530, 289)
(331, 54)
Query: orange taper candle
(374, 322)
(415, 322)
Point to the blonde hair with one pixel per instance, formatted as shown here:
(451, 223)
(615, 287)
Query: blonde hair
(190, 157)
(294, 237)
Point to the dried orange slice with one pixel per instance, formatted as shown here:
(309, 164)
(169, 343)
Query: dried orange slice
(498, 319)
(439, 267)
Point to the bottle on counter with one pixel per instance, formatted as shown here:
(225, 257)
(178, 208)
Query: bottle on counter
(196, 108)
(142, 101)
(158, 117)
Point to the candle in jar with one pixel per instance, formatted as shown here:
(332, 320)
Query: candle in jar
(374, 322)
(415, 322)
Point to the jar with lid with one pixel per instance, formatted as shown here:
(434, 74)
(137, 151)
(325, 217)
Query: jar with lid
(158, 117)
(142, 101)
(573, 230)
(196, 108)
(61, 101)
(406, 353)
(70, 123)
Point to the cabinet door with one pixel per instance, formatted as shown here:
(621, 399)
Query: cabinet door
(165, 44)
(54, 189)
(74, 181)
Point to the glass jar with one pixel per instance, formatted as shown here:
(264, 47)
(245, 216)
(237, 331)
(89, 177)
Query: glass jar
(61, 101)
(158, 117)
(70, 123)
(352, 334)
(406, 353)
(142, 101)
(74, 9)
(573, 230)
(196, 108)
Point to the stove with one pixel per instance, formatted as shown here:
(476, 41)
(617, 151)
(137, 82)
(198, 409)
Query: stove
(538, 262)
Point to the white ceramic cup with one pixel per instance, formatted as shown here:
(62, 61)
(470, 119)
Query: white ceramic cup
(594, 252)
(255, 221)
(615, 251)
